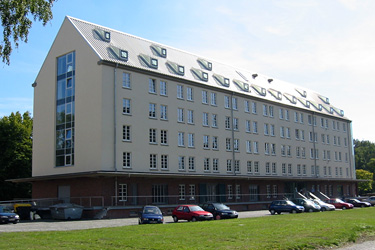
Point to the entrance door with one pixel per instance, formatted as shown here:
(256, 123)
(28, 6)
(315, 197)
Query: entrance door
(64, 193)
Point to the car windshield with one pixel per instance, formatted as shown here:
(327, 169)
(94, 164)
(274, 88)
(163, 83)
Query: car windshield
(195, 208)
(339, 201)
(308, 202)
(355, 200)
(151, 210)
(290, 203)
(221, 207)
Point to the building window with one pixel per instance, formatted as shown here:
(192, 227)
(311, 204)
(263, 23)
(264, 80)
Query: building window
(270, 111)
(265, 110)
(206, 142)
(163, 112)
(191, 143)
(226, 102)
(180, 115)
(215, 164)
(272, 130)
(228, 144)
(281, 114)
(234, 103)
(248, 126)
(164, 162)
(189, 94)
(153, 161)
(268, 168)
(126, 160)
(152, 86)
(229, 165)
(286, 115)
(205, 119)
(215, 145)
(181, 163)
(268, 191)
(253, 193)
(123, 192)
(248, 146)
(181, 192)
(237, 166)
(214, 120)
(256, 147)
(152, 110)
(290, 169)
(126, 133)
(152, 135)
(227, 122)
(126, 80)
(206, 164)
(190, 117)
(191, 163)
(181, 139)
(159, 194)
(230, 192)
(204, 97)
(249, 166)
(180, 92)
(126, 107)
(256, 167)
(238, 192)
(163, 88)
(254, 108)
(247, 106)
(255, 127)
(283, 169)
(213, 99)
(266, 131)
(274, 195)
(192, 191)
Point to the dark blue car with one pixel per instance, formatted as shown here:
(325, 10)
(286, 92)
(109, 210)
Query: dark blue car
(284, 206)
(150, 215)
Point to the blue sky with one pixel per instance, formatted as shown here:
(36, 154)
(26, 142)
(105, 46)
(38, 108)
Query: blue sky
(324, 45)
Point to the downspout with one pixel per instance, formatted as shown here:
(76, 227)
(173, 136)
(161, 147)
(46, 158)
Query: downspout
(115, 128)
(232, 121)
(314, 146)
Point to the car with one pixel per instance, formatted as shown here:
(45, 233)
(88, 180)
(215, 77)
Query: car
(220, 211)
(358, 203)
(371, 200)
(6, 216)
(150, 215)
(280, 206)
(324, 206)
(309, 205)
(339, 203)
(190, 213)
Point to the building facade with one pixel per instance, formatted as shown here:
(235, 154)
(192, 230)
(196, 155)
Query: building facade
(120, 122)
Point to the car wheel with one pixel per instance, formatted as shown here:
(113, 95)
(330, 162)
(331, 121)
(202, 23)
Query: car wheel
(310, 210)
(323, 209)
(343, 208)
(294, 211)
(217, 217)
(278, 212)
(175, 219)
(193, 219)
(272, 211)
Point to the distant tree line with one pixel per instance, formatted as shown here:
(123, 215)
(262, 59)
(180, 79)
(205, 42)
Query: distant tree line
(364, 152)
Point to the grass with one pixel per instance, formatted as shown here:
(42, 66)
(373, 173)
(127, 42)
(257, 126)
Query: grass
(286, 231)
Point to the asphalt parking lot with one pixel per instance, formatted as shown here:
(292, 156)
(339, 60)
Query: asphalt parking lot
(57, 225)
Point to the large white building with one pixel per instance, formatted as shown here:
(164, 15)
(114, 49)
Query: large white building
(120, 121)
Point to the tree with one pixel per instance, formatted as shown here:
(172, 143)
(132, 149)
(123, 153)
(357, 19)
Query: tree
(15, 155)
(364, 151)
(16, 22)
(365, 186)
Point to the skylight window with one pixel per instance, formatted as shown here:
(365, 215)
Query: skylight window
(290, 97)
(324, 99)
(242, 75)
(149, 61)
(327, 108)
(275, 93)
(304, 102)
(120, 54)
(242, 85)
(221, 80)
(175, 68)
(316, 105)
(158, 50)
(259, 90)
(103, 35)
(205, 64)
(301, 92)
(201, 75)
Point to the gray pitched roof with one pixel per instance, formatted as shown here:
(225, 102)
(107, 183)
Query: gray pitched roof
(118, 47)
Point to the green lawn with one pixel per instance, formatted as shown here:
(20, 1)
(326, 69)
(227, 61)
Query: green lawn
(286, 231)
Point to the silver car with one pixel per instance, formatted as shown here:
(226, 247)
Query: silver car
(370, 200)
(324, 206)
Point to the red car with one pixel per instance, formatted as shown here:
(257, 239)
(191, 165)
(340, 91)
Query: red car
(339, 204)
(190, 213)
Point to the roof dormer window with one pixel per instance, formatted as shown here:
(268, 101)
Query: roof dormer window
(242, 85)
(221, 80)
(259, 90)
(159, 51)
(149, 61)
(175, 68)
(201, 75)
(103, 35)
(120, 54)
(301, 92)
(205, 64)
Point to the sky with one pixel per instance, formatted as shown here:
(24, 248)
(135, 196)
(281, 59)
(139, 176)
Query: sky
(324, 45)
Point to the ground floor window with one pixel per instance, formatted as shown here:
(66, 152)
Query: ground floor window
(123, 192)
(254, 192)
(181, 191)
(159, 193)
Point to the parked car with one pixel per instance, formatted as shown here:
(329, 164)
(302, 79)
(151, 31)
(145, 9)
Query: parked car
(6, 216)
(371, 200)
(190, 213)
(150, 215)
(220, 211)
(339, 203)
(324, 206)
(309, 205)
(280, 206)
(358, 203)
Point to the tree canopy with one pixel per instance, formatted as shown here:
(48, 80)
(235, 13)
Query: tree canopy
(15, 19)
(364, 152)
(16, 155)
